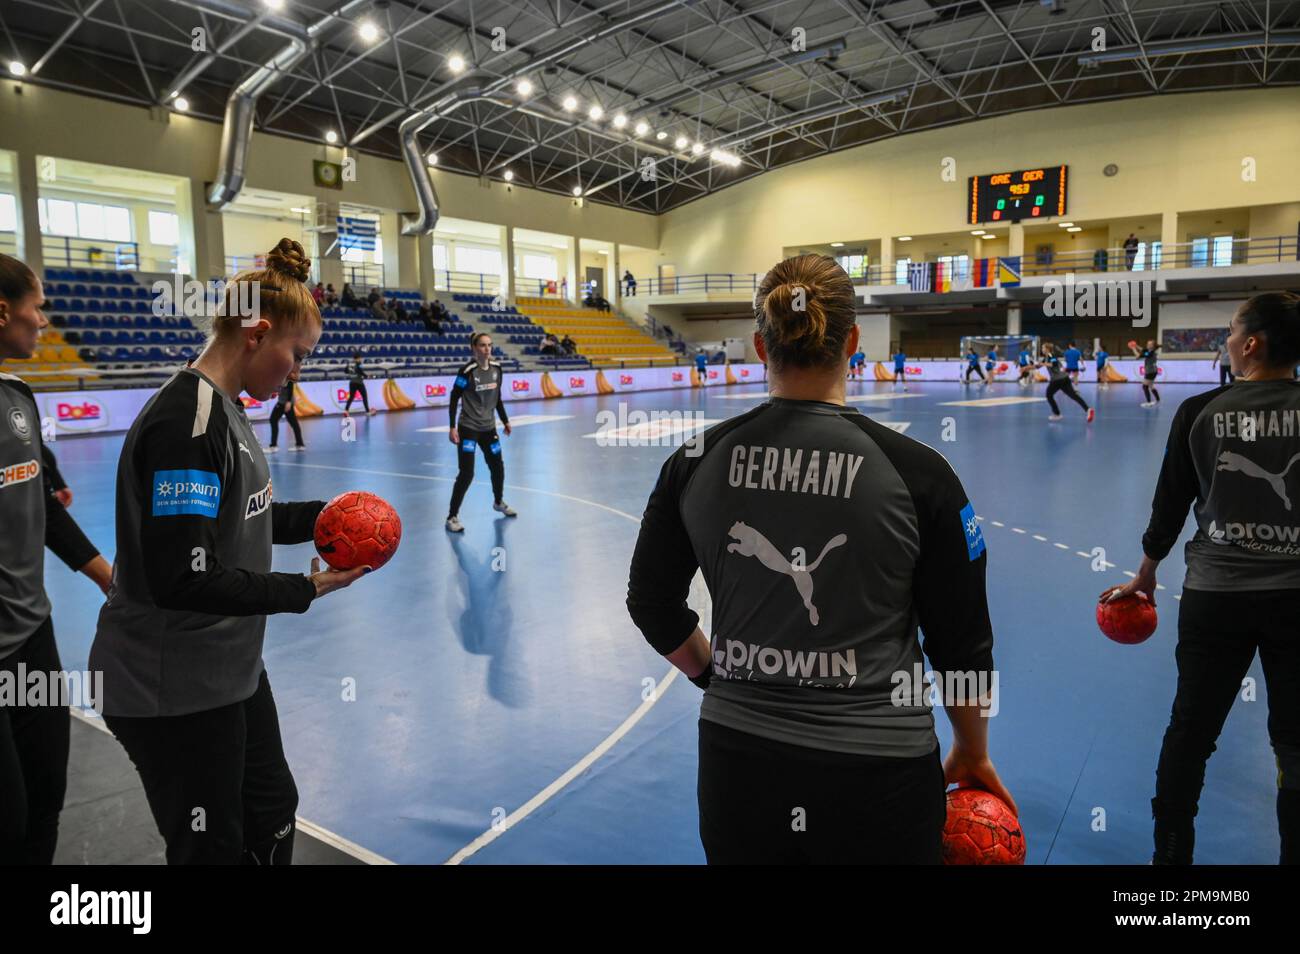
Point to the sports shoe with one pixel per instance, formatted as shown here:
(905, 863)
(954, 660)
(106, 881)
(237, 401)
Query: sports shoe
(1053, 417)
(1148, 404)
(1173, 843)
(454, 525)
(1092, 414)
(372, 412)
(272, 449)
(298, 447)
(505, 508)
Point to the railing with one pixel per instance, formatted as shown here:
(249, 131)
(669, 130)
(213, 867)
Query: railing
(66, 252)
(705, 282)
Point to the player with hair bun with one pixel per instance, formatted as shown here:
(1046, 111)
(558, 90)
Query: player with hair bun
(824, 538)
(180, 639)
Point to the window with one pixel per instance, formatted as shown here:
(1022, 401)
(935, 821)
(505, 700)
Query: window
(855, 265)
(900, 271)
(8, 213)
(957, 266)
(379, 249)
(486, 261)
(88, 220)
(440, 257)
(1222, 250)
(542, 267)
(1200, 252)
(164, 228)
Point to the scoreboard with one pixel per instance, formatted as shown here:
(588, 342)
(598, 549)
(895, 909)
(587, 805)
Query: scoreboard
(1015, 196)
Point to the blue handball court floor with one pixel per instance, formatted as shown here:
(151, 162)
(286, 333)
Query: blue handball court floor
(507, 711)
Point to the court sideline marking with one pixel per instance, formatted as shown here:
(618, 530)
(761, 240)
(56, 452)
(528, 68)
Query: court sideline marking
(530, 806)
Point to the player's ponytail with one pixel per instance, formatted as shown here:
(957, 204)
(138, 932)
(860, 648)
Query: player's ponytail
(1275, 316)
(804, 309)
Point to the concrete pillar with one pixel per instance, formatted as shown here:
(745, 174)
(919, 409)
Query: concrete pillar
(424, 250)
(202, 233)
(509, 264)
(886, 259)
(395, 274)
(1013, 318)
(1169, 252)
(616, 270)
(1016, 241)
(575, 251)
(29, 221)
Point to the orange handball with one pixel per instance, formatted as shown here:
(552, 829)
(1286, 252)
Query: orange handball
(980, 830)
(357, 529)
(1128, 620)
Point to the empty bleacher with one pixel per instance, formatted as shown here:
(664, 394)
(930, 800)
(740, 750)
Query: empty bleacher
(504, 321)
(602, 338)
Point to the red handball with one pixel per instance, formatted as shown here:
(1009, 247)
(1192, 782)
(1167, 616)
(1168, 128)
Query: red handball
(1128, 620)
(357, 529)
(981, 830)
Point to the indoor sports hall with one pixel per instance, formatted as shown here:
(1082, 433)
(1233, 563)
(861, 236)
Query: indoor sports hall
(495, 263)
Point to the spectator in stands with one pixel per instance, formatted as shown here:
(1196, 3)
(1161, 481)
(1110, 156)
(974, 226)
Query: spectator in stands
(349, 297)
(629, 281)
(668, 331)
(1130, 251)
(1099, 260)
(396, 311)
(375, 302)
(331, 296)
(550, 346)
(568, 345)
(318, 294)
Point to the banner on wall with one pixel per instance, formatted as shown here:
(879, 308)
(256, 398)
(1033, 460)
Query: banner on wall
(76, 412)
(1175, 372)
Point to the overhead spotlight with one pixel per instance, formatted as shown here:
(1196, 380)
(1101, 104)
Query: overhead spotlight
(595, 112)
(620, 121)
(570, 103)
(1075, 228)
(368, 31)
(273, 4)
(661, 135)
(331, 136)
(905, 238)
(508, 176)
(1065, 225)
(17, 67)
(181, 104)
(524, 87)
(681, 142)
(432, 158)
(642, 127)
(977, 232)
(697, 149)
(837, 244)
(577, 190)
(456, 63)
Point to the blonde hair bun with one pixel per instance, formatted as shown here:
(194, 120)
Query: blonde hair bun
(289, 258)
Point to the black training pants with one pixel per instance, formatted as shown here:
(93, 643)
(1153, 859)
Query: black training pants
(217, 781)
(1218, 635)
(767, 802)
(355, 388)
(490, 444)
(33, 759)
(1066, 386)
(286, 411)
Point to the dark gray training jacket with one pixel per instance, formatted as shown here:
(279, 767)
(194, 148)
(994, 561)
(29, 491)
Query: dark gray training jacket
(1235, 453)
(825, 539)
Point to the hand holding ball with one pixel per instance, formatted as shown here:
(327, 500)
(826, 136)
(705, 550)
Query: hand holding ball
(981, 830)
(357, 529)
(1129, 619)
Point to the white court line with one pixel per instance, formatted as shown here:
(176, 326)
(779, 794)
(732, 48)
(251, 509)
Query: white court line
(582, 764)
(337, 842)
(1060, 546)
(991, 402)
(862, 398)
(520, 421)
(1040, 539)
(998, 523)
(1016, 530)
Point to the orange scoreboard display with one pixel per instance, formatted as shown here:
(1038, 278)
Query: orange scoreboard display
(1015, 196)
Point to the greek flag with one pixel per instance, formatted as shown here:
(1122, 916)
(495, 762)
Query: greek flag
(357, 233)
(919, 276)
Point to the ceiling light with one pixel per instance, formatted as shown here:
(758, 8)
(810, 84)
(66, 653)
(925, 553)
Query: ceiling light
(570, 103)
(273, 4)
(368, 31)
(331, 136)
(977, 232)
(577, 190)
(905, 238)
(432, 158)
(620, 121)
(301, 210)
(641, 128)
(1075, 228)
(456, 63)
(524, 87)
(508, 176)
(661, 135)
(181, 104)
(681, 142)
(1064, 225)
(697, 148)
(837, 244)
(595, 112)
(17, 67)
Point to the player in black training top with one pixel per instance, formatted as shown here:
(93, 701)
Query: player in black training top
(1150, 370)
(284, 408)
(1060, 381)
(180, 639)
(34, 733)
(824, 539)
(477, 396)
(357, 386)
(1231, 457)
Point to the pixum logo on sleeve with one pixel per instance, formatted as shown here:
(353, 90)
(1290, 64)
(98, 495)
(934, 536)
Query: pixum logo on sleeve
(195, 299)
(75, 907)
(193, 492)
